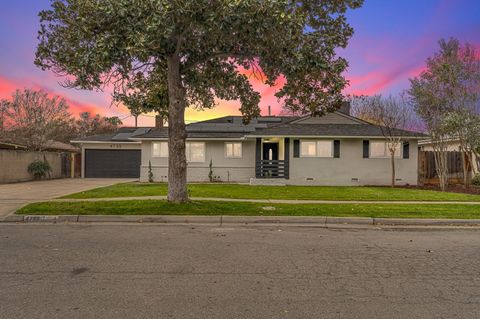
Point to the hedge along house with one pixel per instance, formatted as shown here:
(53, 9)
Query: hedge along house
(334, 149)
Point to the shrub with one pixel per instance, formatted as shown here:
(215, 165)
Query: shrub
(476, 180)
(39, 169)
(210, 172)
(150, 172)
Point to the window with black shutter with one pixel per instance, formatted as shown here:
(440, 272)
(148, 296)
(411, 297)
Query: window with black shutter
(336, 149)
(366, 148)
(406, 150)
(296, 148)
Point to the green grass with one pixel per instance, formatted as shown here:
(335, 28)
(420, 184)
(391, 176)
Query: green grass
(209, 208)
(278, 192)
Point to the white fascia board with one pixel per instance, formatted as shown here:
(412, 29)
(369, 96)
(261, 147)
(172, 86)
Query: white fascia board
(332, 136)
(103, 142)
(189, 139)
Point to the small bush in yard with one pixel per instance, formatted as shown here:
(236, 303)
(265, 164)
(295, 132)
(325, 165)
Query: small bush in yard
(39, 169)
(150, 172)
(476, 180)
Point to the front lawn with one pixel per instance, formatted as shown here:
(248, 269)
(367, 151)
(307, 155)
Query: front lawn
(278, 192)
(209, 208)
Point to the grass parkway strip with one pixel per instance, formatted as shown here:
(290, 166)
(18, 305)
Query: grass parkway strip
(212, 208)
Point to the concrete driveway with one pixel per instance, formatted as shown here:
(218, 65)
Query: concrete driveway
(14, 196)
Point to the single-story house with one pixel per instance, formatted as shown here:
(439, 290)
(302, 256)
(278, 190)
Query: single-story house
(333, 149)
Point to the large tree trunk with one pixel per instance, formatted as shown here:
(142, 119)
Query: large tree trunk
(177, 163)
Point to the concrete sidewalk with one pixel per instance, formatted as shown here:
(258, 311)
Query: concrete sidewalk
(266, 201)
(14, 196)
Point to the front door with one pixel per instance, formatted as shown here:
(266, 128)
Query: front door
(270, 151)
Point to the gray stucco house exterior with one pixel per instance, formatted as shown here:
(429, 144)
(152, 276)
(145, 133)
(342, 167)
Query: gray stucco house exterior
(333, 149)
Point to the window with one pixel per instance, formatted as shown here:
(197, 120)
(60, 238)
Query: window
(316, 148)
(195, 152)
(381, 149)
(377, 149)
(233, 150)
(160, 149)
(324, 148)
(308, 149)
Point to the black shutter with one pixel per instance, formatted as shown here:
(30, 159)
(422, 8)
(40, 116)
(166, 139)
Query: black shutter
(366, 149)
(258, 158)
(406, 150)
(336, 148)
(296, 148)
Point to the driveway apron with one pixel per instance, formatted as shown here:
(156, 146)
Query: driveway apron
(14, 196)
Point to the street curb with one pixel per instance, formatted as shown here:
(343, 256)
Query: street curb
(324, 221)
(425, 222)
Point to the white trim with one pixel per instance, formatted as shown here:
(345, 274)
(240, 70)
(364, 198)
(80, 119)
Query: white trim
(190, 139)
(332, 137)
(103, 142)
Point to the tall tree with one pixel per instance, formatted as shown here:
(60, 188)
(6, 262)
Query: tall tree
(449, 84)
(4, 105)
(33, 118)
(88, 125)
(196, 50)
(391, 114)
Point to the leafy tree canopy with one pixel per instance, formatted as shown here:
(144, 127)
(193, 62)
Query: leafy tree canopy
(88, 125)
(451, 83)
(128, 42)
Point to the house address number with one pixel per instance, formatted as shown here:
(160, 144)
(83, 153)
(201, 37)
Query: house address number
(115, 145)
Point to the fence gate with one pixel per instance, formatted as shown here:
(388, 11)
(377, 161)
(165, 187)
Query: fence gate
(66, 165)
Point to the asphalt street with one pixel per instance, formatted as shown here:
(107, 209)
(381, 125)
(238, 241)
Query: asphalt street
(160, 271)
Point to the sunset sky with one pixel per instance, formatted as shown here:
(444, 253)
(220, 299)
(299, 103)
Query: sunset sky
(391, 42)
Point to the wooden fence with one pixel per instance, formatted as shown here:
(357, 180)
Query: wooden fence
(14, 165)
(427, 172)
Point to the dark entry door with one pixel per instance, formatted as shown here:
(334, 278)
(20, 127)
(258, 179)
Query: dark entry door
(270, 151)
(112, 163)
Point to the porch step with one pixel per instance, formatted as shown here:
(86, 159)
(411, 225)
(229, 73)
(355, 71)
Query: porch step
(268, 181)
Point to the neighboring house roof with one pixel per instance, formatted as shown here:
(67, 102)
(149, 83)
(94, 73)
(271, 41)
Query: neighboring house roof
(49, 146)
(429, 141)
(122, 135)
(11, 146)
(59, 146)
